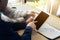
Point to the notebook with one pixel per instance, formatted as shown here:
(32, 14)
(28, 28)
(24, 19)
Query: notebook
(49, 31)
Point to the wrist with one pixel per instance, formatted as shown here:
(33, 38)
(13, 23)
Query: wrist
(28, 27)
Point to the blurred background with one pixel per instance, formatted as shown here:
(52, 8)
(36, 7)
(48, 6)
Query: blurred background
(50, 6)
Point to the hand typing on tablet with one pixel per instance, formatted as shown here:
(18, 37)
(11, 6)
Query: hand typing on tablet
(30, 16)
(32, 25)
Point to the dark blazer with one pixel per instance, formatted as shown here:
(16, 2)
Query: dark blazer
(7, 31)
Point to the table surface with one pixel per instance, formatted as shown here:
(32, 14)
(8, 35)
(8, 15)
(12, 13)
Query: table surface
(35, 35)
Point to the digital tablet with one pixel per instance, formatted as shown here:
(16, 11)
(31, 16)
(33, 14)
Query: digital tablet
(41, 19)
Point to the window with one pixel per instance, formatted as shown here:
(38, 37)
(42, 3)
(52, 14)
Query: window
(38, 4)
(14, 2)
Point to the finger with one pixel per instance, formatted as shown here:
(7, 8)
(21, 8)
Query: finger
(35, 21)
(35, 12)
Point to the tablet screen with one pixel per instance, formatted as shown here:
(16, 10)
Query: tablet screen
(41, 19)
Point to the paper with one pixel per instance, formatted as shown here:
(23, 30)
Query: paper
(49, 31)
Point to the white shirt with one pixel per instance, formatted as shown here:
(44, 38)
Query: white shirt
(13, 15)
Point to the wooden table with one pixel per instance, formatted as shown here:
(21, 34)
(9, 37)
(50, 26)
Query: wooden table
(35, 35)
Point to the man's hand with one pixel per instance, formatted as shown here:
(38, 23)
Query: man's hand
(29, 19)
(32, 13)
(30, 16)
(32, 25)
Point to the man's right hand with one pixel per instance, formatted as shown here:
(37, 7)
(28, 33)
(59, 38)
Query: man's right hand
(32, 25)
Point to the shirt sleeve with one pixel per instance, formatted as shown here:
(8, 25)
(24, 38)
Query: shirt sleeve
(14, 26)
(27, 34)
(20, 13)
(19, 25)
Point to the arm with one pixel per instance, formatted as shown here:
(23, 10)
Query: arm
(19, 25)
(27, 33)
(15, 26)
(16, 15)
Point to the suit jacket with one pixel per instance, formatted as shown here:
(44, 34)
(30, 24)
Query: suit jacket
(7, 30)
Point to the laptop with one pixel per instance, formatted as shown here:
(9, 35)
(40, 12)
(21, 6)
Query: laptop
(44, 28)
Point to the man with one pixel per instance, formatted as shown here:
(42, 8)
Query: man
(7, 28)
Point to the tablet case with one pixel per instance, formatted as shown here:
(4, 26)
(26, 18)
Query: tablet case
(41, 19)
